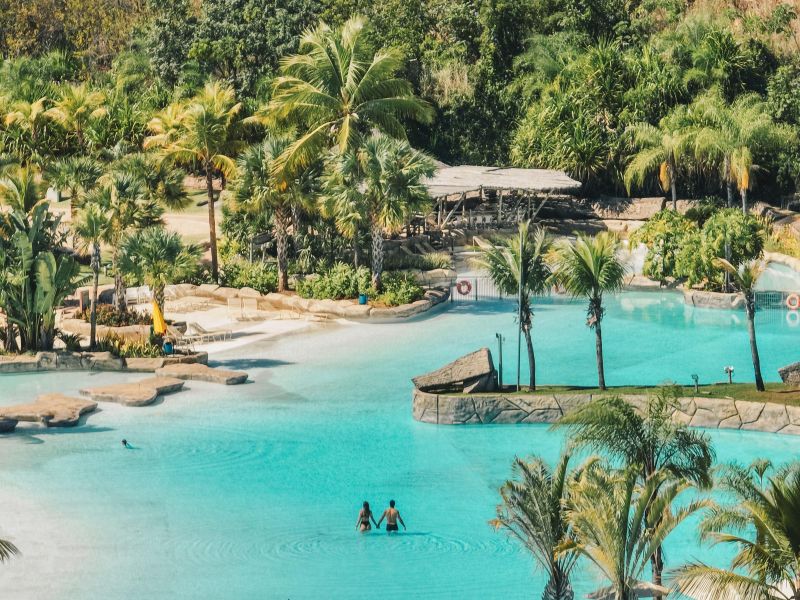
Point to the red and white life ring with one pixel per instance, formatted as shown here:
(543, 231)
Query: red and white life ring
(792, 301)
(464, 287)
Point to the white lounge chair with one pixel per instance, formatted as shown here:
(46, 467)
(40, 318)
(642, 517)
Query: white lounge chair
(210, 335)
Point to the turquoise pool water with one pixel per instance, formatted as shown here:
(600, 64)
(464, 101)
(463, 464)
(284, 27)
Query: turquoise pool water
(253, 491)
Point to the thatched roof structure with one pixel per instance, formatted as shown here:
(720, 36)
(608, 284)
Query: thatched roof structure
(463, 179)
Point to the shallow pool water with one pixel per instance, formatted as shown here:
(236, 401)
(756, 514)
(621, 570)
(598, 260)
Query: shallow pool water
(253, 491)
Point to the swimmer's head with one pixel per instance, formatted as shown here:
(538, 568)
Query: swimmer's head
(391, 503)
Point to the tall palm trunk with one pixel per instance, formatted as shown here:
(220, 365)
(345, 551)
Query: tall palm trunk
(728, 182)
(657, 564)
(119, 282)
(95, 284)
(526, 330)
(280, 221)
(377, 255)
(744, 200)
(750, 302)
(212, 221)
(355, 249)
(159, 296)
(558, 587)
(597, 315)
(672, 187)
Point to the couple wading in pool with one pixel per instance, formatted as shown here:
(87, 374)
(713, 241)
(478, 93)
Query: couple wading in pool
(391, 514)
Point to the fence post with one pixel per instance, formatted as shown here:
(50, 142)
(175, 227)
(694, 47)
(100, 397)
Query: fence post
(476, 289)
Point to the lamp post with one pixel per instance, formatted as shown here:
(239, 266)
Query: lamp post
(500, 339)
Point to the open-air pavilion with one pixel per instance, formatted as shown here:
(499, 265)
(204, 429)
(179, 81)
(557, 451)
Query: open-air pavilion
(476, 197)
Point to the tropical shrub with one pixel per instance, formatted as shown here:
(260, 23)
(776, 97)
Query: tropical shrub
(341, 282)
(400, 288)
(112, 317)
(732, 235)
(665, 234)
(423, 262)
(238, 272)
(784, 241)
(71, 341)
(122, 348)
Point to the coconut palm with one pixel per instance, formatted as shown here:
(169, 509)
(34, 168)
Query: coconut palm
(617, 524)
(340, 90)
(258, 188)
(122, 197)
(659, 150)
(379, 185)
(762, 524)
(26, 128)
(534, 512)
(648, 439)
(521, 257)
(744, 279)
(727, 136)
(206, 132)
(157, 257)
(19, 189)
(590, 267)
(93, 227)
(77, 108)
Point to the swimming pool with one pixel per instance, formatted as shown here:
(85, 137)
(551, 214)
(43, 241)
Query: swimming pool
(253, 491)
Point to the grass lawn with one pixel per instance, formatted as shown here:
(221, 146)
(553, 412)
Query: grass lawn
(776, 392)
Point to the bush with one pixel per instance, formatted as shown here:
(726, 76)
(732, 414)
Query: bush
(238, 272)
(339, 283)
(423, 262)
(72, 341)
(128, 349)
(784, 241)
(400, 288)
(110, 316)
(664, 234)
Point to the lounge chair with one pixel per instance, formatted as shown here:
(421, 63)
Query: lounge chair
(249, 308)
(181, 339)
(210, 335)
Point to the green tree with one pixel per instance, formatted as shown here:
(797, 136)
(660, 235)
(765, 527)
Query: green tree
(338, 90)
(157, 257)
(618, 525)
(379, 184)
(26, 131)
(93, 227)
(77, 108)
(258, 189)
(534, 510)
(659, 149)
(520, 265)
(208, 133)
(589, 267)
(744, 279)
(19, 190)
(729, 234)
(762, 525)
(665, 234)
(648, 440)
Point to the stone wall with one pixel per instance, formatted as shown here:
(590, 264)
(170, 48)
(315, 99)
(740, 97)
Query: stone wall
(91, 361)
(714, 413)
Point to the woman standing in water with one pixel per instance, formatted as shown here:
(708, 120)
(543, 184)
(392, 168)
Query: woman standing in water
(364, 515)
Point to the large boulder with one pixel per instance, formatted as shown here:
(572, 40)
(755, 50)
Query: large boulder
(469, 374)
(198, 372)
(790, 374)
(52, 410)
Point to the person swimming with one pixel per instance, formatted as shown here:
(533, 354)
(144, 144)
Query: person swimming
(125, 444)
(364, 515)
(392, 517)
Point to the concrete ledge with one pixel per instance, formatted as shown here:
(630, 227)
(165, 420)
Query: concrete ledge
(52, 410)
(198, 372)
(714, 300)
(714, 413)
(62, 360)
(139, 393)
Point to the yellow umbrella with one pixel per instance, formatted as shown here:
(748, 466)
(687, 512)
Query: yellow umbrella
(159, 324)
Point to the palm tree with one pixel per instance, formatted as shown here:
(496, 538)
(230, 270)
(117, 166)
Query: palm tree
(339, 90)
(762, 523)
(590, 267)
(206, 132)
(93, 226)
(380, 185)
(727, 136)
(618, 525)
(648, 439)
(78, 174)
(659, 149)
(26, 122)
(157, 257)
(258, 188)
(521, 257)
(534, 512)
(744, 279)
(19, 190)
(77, 108)
(122, 197)
(7, 550)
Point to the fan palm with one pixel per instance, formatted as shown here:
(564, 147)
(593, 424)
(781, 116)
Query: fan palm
(744, 279)
(339, 90)
(534, 512)
(522, 258)
(763, 523)
(205, 131)
(727, 136)
(380, 185)
(77, 108)
(659, 150)
(157, 257)
(648, 439)
(78, 174)
(93, 227)
(259, 189)
(590, 267)
(618, 525)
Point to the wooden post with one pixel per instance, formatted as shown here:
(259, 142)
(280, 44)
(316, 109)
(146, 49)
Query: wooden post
(499, 208)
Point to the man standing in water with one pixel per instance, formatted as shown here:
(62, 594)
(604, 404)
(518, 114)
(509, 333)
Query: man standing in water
(392, 516)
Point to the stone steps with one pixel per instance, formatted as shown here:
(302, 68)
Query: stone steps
(198, 372)
(52, 410)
